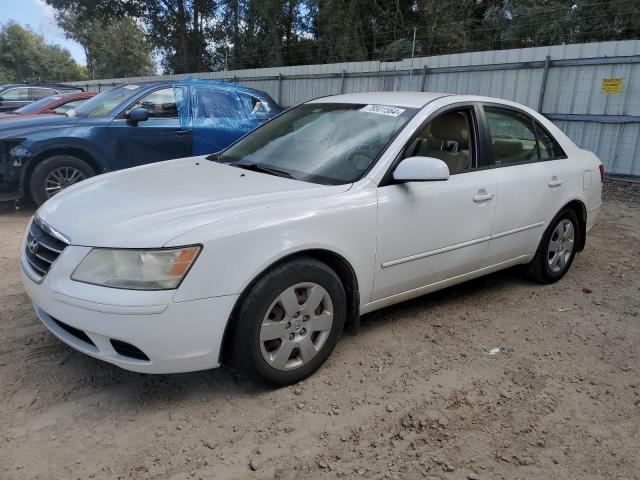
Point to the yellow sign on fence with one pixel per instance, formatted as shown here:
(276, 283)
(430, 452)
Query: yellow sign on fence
(611, 85)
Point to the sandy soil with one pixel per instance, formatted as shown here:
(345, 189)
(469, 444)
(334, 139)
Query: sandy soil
(414, 395)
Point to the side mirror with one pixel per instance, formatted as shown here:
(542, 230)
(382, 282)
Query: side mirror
(421, 169)
(138, 115)
(1, 99)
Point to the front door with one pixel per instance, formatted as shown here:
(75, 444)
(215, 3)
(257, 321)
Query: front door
(433, 231)
(162, 137)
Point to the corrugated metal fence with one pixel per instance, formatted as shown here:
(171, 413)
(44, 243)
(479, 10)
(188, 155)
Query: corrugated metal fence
(568, 83)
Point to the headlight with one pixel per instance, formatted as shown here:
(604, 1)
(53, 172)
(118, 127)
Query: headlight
(20, 152)
(160, 269)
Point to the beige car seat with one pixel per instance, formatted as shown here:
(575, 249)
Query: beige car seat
(447, 138)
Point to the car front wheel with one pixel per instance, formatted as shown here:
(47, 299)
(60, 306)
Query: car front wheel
(289, 322)
(56, 173)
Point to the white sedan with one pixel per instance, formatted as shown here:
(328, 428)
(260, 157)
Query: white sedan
(263, 254)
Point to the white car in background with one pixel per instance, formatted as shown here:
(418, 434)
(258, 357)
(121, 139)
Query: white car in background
(263, 254)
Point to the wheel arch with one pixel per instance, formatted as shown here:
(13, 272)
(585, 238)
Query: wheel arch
(80, 153)
(337, 262)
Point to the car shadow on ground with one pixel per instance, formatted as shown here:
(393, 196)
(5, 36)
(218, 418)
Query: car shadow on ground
(89, 377)
(415, 309)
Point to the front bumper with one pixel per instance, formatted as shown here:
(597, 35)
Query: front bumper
(173, 336)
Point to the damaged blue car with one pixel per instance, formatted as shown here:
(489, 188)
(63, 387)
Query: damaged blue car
(124, 127)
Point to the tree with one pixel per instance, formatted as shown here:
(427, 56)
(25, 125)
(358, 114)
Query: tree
(25, 56)
(178, 29)
(114, 49)
(199, 35)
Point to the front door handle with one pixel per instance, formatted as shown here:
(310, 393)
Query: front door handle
(180, 133)
(554, 182)
(482, 196)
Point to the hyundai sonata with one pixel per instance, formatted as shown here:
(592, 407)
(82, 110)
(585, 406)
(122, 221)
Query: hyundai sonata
(263, 254)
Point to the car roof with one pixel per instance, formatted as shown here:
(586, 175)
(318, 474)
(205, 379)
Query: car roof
(400, 99)
(197, 81)
(67, 94)
(59, 86)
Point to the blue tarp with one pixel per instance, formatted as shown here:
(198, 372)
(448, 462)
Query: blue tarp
(219, 113)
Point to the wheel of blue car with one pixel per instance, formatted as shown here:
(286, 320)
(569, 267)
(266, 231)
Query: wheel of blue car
(289, 322)
(56, 173)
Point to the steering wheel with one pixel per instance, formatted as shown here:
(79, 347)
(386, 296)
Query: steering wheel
(361, 159)
(531, 154)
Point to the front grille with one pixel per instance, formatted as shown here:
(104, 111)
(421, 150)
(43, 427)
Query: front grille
(42, 248)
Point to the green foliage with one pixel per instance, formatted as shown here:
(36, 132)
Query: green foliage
(197, 35)
(25, 56)
(114, 48)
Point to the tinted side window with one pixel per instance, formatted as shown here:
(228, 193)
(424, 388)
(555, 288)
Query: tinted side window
(549, 148)
(255, 107)
(161, 104)
(513, 137)
(16, 94)
(40, 93)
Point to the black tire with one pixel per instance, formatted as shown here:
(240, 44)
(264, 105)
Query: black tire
(245, 347)
(45, 168)
(539, 269)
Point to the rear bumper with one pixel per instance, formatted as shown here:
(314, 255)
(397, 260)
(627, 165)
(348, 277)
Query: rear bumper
(173, 336)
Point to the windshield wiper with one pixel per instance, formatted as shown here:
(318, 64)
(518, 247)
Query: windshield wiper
(256, 167)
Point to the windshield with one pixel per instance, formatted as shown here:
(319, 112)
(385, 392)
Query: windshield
(35, 106)
(104, 103)
(328, 143)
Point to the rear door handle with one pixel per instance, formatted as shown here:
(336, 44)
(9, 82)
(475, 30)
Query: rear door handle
(180, 133)
(554, 182)
(482, 196)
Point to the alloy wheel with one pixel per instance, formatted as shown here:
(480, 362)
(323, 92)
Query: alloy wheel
(561, 246)
(61, 178)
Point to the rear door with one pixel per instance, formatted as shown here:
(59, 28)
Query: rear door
(162, 137)
(530, 172)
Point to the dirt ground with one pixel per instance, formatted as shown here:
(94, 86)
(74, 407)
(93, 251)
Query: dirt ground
(414, 395)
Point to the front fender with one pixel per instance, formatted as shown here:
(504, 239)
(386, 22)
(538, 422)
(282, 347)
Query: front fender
(237, 250)
(86, 148)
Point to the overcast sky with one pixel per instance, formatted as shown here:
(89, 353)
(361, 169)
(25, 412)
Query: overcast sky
(40, 17)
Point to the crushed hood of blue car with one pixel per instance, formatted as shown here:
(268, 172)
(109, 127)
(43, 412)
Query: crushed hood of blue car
(14, 128)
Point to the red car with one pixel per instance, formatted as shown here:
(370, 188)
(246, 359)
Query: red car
(59, 104)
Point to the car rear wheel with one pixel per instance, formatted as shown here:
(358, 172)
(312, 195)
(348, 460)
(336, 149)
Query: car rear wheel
(289, 322)
(557, 249)
(56, 173)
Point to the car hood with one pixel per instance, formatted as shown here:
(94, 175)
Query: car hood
(150, 205)
(13, 116)
(20, 125)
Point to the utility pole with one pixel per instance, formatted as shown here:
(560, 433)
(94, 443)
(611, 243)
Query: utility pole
(413, 51)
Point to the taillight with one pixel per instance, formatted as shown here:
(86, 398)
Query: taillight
(601, 168)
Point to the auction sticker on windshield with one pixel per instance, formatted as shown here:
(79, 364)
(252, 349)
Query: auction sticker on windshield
(383, 110)
(131, 87)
